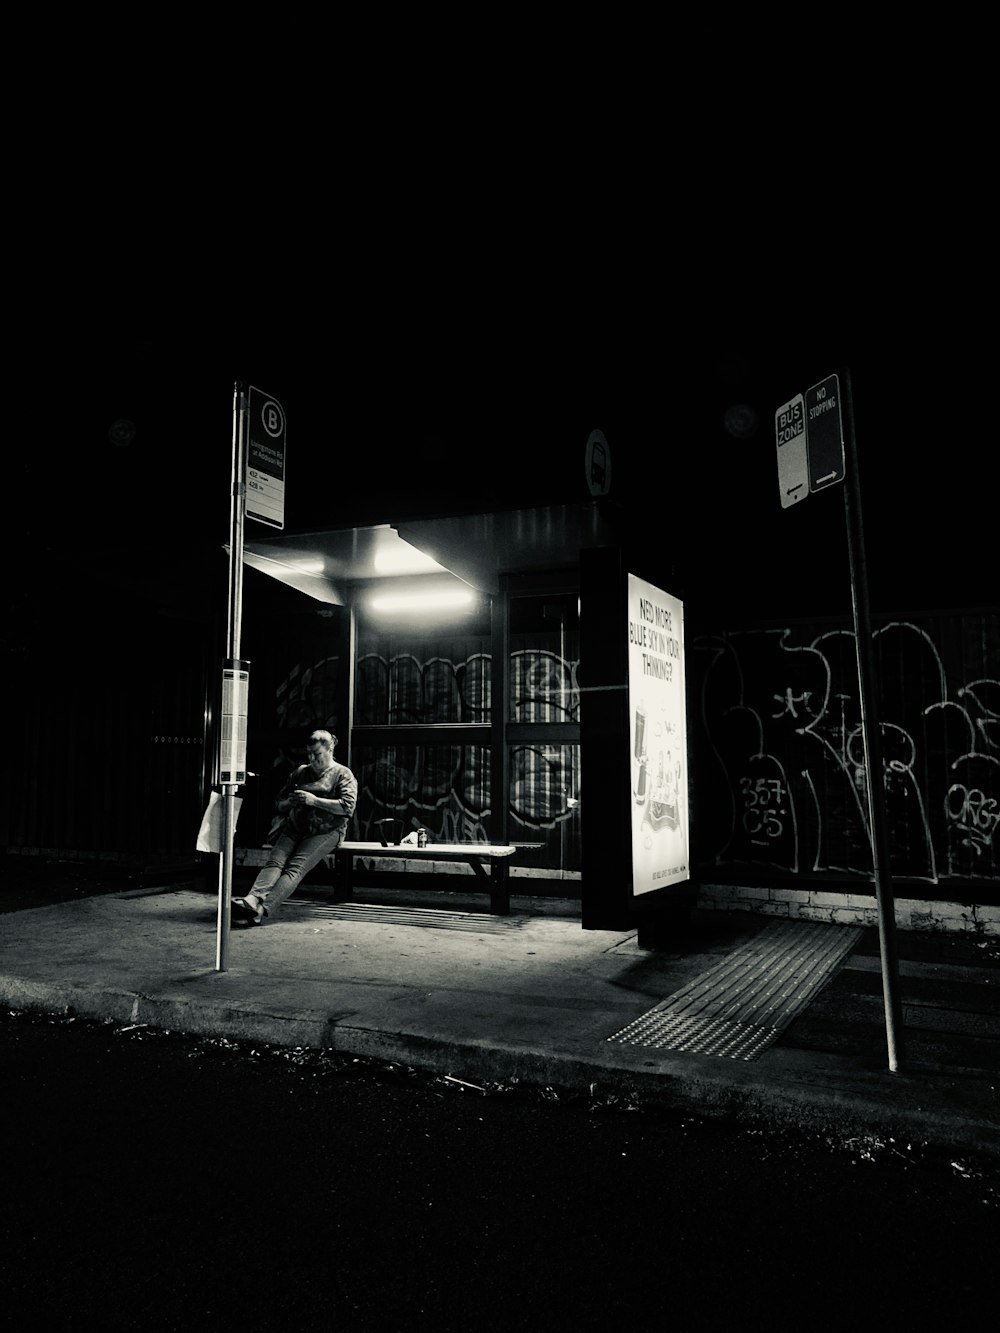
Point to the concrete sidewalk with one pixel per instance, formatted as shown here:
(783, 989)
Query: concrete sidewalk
(424, 982)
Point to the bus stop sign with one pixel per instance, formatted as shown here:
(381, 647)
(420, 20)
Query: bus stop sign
(265, 464)
(790, 435)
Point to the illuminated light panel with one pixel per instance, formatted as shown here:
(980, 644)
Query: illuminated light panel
(402, 558)
(421, 601)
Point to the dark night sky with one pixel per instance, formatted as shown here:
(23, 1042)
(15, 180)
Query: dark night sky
(387, 418)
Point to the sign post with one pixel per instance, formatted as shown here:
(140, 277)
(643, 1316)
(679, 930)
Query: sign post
(872, 736)
(257, 491)
(230, 678)
(809, 432)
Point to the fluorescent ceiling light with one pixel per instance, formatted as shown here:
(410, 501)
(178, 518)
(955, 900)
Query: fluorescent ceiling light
(420, 601)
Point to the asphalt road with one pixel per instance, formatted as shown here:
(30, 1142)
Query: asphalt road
(158, 1181)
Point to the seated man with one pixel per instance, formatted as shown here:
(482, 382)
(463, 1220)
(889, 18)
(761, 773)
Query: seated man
(314, 806)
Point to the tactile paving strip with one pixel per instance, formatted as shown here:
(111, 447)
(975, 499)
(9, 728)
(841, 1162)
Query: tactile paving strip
(738, 1008)
(478, 922)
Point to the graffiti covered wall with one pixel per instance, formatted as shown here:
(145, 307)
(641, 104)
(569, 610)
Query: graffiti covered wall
(446, 788)
(779, 776)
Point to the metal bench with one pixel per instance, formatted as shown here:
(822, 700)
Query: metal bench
(475, 854)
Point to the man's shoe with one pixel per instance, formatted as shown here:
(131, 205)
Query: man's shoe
(247, 913)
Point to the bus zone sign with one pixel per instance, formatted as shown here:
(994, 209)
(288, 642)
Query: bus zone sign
(809, 434)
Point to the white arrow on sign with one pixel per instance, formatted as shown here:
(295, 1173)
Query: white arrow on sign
(793, 460)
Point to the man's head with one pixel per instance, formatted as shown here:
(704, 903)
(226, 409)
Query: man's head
(319, 749)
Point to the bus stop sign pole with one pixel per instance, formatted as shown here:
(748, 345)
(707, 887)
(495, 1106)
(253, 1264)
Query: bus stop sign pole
(872, 736)
(234, 682)
(810, 431)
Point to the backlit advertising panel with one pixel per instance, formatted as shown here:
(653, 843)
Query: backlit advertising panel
(657, 737)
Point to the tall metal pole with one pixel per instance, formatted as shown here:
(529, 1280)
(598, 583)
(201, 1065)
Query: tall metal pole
(872, 739)
(234, 619)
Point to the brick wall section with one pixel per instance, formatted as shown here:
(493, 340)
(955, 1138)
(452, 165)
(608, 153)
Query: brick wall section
(849, 909)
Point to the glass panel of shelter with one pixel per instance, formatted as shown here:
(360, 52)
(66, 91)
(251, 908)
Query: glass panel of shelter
(415, 680)
(544, 718)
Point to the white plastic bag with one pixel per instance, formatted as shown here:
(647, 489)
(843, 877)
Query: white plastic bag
(212, 829)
